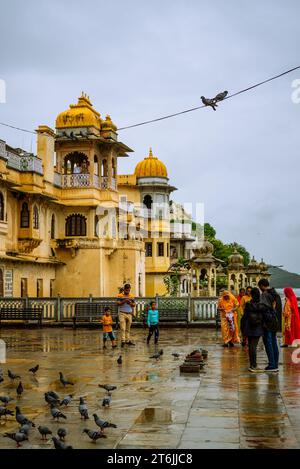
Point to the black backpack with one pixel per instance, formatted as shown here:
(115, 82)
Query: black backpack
(271, 320)
(255, 316)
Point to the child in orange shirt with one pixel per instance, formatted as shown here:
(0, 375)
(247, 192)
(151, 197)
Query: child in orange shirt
(107, 323)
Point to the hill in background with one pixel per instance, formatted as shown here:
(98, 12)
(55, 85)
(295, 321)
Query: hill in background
(282, 278)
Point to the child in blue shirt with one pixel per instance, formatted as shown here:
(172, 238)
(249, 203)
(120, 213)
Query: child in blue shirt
(152, 322)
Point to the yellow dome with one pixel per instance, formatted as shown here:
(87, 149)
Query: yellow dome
(150, 166)
(81, 114)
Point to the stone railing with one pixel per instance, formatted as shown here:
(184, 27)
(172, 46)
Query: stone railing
(84, 180)
(24, 163)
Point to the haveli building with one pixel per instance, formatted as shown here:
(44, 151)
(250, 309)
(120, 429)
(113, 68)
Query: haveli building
(71, 225)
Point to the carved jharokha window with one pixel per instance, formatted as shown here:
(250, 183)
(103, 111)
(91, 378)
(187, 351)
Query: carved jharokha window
(76, 225)
(25, 215)
(35, 218)
(1, 207)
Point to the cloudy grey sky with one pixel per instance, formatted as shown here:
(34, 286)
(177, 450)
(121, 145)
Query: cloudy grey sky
(138, 60)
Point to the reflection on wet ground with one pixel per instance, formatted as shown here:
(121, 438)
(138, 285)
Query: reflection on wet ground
(154, 406)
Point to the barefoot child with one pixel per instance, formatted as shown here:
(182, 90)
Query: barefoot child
(152, 322)
(107, 323)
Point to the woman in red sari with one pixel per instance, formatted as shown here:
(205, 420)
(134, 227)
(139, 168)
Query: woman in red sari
(291, 318)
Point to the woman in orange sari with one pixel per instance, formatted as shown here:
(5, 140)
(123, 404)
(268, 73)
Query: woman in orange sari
(291, 318)
(228, 306)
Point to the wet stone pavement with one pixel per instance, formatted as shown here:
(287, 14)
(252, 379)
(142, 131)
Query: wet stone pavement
(154, 406)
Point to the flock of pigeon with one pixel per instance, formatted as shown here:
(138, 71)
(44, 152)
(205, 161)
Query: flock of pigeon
(55, 403)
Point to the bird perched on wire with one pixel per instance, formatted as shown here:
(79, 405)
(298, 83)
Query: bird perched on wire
(44, 431)
(18, 437)
(64, 381)
(120, 361)
(12, 375)
(20, 389)
(60, 444)
(62, 433)
(103, 423)
(67, 400)
(209, 102)
(107, 387)
(4, 412)
(220, 96)
(34, 369)
(21, 419)
(106, 401)
(83, 410)
(94, 435)
(57, 414)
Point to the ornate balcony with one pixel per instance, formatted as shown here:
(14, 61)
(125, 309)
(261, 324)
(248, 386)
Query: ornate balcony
(71, 181)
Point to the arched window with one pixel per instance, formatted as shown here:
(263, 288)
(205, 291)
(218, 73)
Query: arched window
(148, 201)
(25, 215)
(53, 227)
(96, 165)
(76, 225)
(1, 207)
(96, 228)
(35, 218)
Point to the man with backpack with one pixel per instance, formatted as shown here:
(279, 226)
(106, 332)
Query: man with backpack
(272, 322)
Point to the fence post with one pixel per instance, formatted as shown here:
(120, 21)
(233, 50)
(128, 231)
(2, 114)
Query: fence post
(156, 299)
(190, 315)
(26, 302)
(58, 308)
(91, 298)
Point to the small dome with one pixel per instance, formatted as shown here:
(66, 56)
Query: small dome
(108, 124)
(81, 114)
(263, 266)
(253, 264)
(235, 258)
(203, 249)
(150, 166)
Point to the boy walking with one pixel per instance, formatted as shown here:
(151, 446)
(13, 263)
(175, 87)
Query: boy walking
(152, 321)
(107, 323)
(126, 305)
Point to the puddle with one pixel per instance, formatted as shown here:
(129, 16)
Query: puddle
(152, 376)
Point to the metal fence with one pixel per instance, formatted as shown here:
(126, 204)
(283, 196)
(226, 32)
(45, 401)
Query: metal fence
(201, 309)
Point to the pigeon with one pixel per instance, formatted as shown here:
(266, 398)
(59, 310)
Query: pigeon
(157, 355)
(220, 96)
(107, 387)
(4, 412)
(64, 381)
(94, 435)
(21, 419)
(53, 394)
(44, 431)
(67, 400)
(57, 414)
(6, 399)
(25, 429)
(13, 376)
(34, 369)
(106, 401)
(60, 444)
(120, 361)
(209, 102)
(20, 389)
(176, 355)
(83, 410)
(18, 437)
(103, 423)
(62, 433)
(50, 399)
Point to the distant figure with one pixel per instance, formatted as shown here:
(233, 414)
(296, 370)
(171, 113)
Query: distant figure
(245, 298)
(228, 305)
(77, 169)
(126, 306)
(240, 295)
(291, 317)
(84, 168)
(272, 322)
(252, 327)
(152, 322)
(107, 323)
